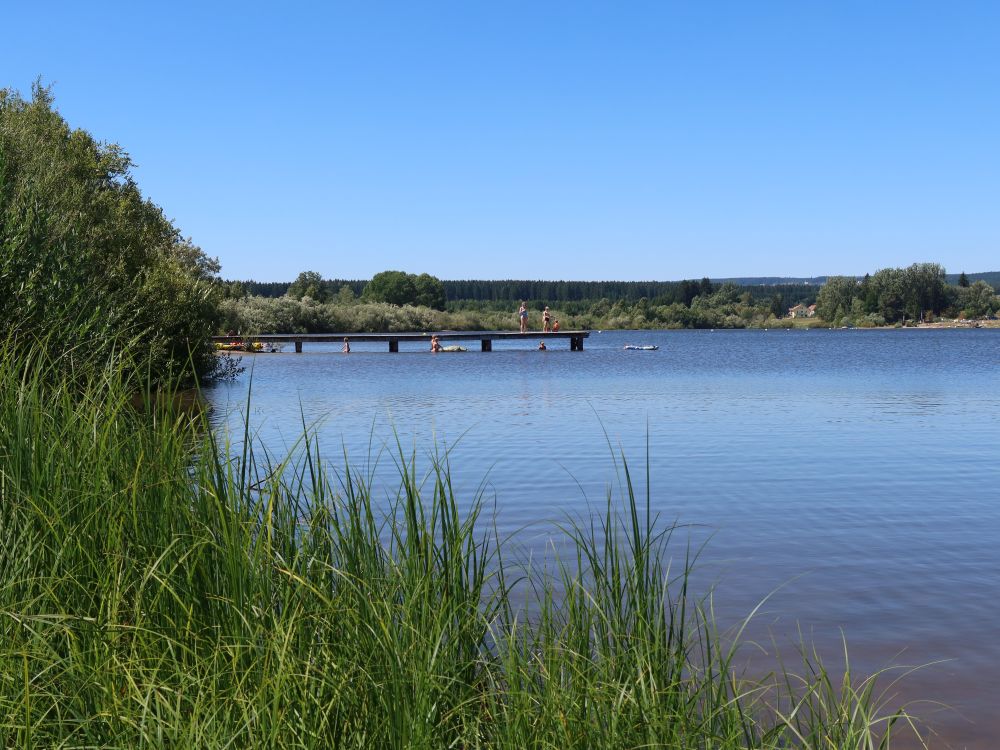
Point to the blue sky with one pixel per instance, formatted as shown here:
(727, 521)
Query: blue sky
(623, 140)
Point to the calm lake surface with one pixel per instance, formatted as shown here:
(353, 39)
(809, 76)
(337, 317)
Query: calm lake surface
(855, 474)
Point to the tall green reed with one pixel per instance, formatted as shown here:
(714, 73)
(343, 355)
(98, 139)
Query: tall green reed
(162, 587)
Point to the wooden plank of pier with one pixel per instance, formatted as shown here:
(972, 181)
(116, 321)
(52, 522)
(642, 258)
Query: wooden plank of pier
(486, 338)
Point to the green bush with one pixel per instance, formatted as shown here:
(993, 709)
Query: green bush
(87, 264)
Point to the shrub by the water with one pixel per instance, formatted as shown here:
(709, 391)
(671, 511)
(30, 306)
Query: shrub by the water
(161, 587)
(87, 264)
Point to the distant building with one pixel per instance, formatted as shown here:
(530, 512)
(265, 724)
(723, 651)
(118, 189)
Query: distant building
(801, 311)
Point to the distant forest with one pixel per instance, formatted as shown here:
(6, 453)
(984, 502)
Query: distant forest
(791, 290)
(512, 291)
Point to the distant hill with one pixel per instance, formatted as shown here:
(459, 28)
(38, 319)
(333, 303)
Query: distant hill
(773, 280)
(990, 277)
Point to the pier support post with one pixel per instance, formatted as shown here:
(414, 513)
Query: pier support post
(394, 345)
(298, 347)
(487, 345)
(576, 344)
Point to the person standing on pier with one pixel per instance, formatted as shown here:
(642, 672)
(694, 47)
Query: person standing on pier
(546, 320)
(522, 316)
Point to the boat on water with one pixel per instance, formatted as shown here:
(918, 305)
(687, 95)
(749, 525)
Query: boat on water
(643, 348)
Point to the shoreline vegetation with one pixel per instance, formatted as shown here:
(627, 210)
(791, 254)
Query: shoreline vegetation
(165, 587)
(394, 301)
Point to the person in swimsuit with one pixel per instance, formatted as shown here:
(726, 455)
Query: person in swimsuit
(522, 315)
(555, 326)
(542, 347)
(435, 344)
(346, 349)
(546, 320)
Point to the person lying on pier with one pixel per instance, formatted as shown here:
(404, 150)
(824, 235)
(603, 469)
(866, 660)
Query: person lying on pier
(346, 349)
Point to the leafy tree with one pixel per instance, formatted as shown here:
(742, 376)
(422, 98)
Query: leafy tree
(233, 289)
(924, 289)
(309, 284)
(836, 297)
(429, 291)
(394, 287)
(725, 294)
(978, 300)
(400, 288)
(776, 306)
(84, 257)
(345, 295)
(888, 286)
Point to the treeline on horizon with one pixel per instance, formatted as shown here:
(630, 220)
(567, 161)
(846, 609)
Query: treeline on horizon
(517, 290)
(397, 301)
(792, 291)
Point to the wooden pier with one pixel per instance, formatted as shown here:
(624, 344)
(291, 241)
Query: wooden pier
(486, 338)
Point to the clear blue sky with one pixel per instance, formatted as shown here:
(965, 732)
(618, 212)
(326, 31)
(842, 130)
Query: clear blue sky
(624, 140)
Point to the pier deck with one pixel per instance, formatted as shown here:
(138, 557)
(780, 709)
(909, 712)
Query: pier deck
(486, 338)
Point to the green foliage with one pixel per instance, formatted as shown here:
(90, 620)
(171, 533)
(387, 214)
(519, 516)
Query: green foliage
(836, 297)
(309, 284)
(345, 295)
(977, 300)
(429, 292)
(392, 287)
(925, 289)
(777, 307)
(163, 588)
(891, 295)
(887, 297)
(84, 258)
(251, 315)
(400, 288)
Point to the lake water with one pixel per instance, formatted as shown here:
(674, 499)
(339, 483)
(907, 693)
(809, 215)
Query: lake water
(856, 474)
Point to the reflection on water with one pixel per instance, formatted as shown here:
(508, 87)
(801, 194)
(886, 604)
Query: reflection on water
(854, 473)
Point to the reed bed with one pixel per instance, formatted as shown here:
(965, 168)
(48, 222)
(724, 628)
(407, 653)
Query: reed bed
(160, 588)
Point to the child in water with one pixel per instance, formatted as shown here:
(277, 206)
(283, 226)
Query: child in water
(346, 349)
(435, 344)
(541, 346)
